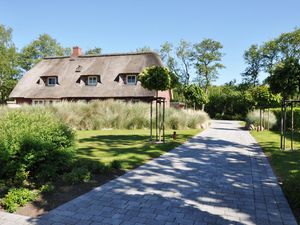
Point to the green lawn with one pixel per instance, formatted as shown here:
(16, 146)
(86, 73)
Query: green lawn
(286, 165)
(131, 147)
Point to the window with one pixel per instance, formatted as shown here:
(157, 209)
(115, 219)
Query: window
(92, 80)
(51, 81)
(38, 102)
(131, 79)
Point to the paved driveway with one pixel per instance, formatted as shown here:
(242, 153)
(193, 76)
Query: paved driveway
(219, 177)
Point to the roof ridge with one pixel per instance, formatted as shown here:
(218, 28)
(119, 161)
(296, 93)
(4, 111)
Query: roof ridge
(104, 55)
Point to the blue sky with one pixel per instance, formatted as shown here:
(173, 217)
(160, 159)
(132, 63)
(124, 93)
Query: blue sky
(124, 25)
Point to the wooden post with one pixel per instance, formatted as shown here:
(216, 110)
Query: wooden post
(156, 121)
(260, 119)
(268, 118)
(159, 119)
(292, 126)
(284, 126)
(151, 110)
(281, 127)
(163, 119)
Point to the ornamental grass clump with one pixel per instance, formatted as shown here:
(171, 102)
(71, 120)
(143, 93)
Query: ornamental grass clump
(110, 114)
(268, 119)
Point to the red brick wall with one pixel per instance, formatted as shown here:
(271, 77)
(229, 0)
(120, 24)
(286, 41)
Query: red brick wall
(167, 95)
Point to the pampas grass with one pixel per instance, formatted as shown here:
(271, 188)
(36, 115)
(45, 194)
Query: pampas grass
(111, 114)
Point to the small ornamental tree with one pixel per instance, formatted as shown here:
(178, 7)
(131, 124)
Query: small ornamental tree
(286, 78)
(194, 95)
(157, 78)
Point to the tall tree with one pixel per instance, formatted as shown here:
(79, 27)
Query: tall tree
(9, 71)
(167, 57)
(94, 51)
(40, 48)
(184, 54)
(207, 58)
(253, 58)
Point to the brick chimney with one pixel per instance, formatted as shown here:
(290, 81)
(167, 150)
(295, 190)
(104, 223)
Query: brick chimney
(76, 51)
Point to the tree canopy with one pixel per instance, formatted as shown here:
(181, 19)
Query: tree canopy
(157, 78)
(194, 95)
(285, 78)
(43, 46)
(94, 51)
(9, 61)
(207, 57)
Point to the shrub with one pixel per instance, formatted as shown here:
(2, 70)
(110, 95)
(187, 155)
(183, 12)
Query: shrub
(17, 197)
(34, 144)
(92, 165)
(116, 164)
(47, 188)
(77, 175)
(253, 117)
(277, 113)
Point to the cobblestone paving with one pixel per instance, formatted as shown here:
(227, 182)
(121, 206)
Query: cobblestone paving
(219, 177)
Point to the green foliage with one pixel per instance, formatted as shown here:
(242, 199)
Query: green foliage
(144, 49)
(253, 117)
(116, 164)
(33, 141)
(285, 78)
(157, 78)
(194, 95)
(94, 51)
(17, 197)
(43, 46)
(77, 175)
(263, 97)
(269, 56)
(229, 102)
(286, 164)
(277, 113)
(184, 54)
(207, 57)
(291, 188)
(93, 166)
(253, 58)
(47, 188)
(9, 60)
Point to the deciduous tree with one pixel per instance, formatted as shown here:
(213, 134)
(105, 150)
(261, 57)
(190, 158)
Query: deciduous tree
(9, 70)
(43, 46)
(207, 57)
(94, 51)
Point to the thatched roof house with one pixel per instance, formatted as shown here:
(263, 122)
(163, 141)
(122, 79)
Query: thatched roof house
(87, 77)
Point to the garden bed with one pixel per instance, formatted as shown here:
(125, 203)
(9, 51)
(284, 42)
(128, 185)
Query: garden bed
(131, 148)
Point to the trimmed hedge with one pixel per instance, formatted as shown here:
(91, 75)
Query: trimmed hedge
(277, 113)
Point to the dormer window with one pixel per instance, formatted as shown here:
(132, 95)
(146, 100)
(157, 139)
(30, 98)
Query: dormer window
(51, 81)
(92, 80)
(131, 79)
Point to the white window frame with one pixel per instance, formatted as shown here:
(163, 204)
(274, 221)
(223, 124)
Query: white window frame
(50, 84)
(127, 79)
(92, 78)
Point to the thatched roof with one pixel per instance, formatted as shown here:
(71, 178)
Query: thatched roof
(69, 70)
